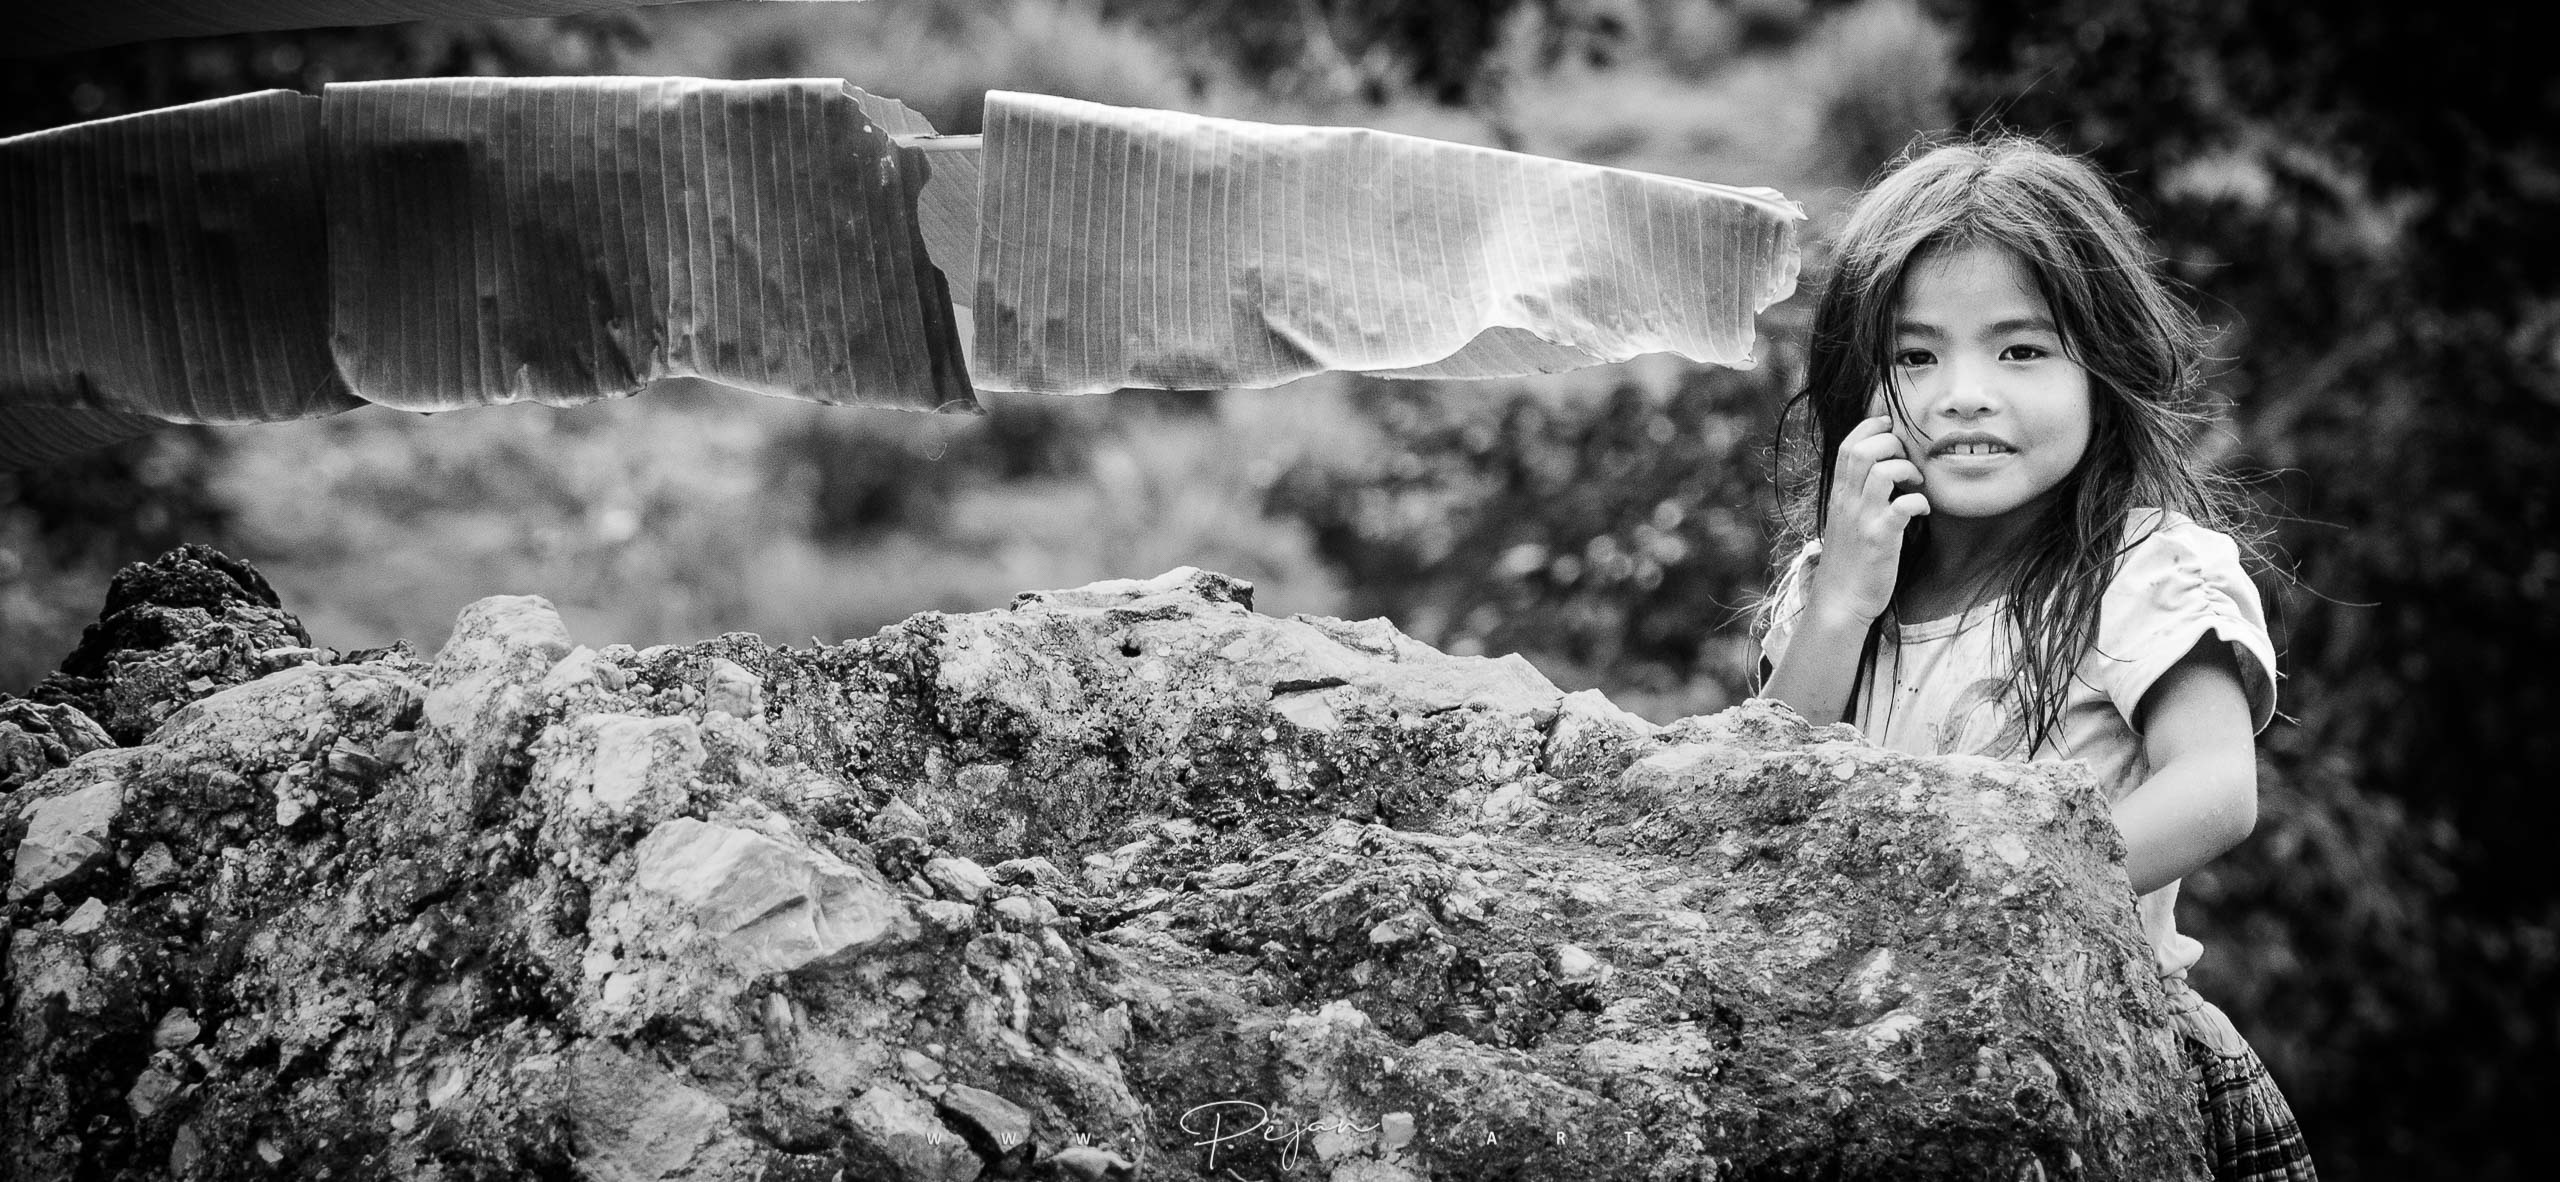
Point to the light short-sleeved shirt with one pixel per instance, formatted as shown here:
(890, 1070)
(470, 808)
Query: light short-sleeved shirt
(1940, 687)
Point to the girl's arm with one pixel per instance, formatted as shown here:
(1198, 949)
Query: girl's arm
(2201, 797)
(1851, 582)
(1821, 662)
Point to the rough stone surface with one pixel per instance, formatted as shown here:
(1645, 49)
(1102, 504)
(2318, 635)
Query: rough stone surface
(1127, 881)
(37, 737)
(64, 836)
(175, 629)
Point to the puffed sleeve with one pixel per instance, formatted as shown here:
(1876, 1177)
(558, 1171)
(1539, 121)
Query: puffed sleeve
(1785, 601)
(2177, 586)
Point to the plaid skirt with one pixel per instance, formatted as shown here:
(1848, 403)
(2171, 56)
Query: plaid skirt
(2249, 1128)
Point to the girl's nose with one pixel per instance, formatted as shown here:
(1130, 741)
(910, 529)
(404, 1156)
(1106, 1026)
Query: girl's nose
(1967, 394)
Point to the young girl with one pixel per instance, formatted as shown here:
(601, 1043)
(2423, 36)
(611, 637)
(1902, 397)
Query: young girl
(2010, 549)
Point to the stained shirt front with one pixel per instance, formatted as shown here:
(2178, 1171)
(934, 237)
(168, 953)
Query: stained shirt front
(1941, 687)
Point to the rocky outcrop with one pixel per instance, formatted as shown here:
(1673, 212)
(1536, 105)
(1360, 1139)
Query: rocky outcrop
(1126, 881)
(174, 629)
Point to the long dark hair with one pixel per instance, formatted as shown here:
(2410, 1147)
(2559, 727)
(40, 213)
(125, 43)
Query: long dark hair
(2142, 347)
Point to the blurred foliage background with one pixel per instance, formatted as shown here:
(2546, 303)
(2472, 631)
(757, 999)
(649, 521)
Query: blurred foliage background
(2364, 197)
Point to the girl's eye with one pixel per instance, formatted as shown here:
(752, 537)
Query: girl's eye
(1911, 357)
(2024, 353)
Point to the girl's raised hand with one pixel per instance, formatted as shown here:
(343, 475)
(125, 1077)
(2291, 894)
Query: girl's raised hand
(1863, 522)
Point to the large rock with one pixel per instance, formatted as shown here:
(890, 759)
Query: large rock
(1126, 881)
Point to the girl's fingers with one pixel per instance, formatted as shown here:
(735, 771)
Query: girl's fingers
(1861, 453)
(1875, 449)
(1891, 474)
(1872, 464)
(1868, 430)
(1869, 468)
(1860, 443)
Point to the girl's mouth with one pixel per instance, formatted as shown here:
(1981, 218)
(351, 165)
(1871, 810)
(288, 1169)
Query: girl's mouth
(1971, 447)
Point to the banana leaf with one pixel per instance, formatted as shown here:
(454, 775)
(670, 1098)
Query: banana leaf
(562, 240)
(1124, 247)
(55, 26)
(34, 436)
(166, 266)
(462, 242)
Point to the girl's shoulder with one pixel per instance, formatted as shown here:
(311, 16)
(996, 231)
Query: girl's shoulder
(2176, 582)
(2150, 531)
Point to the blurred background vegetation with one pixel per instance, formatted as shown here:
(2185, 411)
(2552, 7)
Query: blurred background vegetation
(2364, 197)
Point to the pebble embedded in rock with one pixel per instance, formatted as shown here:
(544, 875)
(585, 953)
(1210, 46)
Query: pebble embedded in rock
(995, 1126)
(85, 918)
(959, 878)
(1307, 711)
(1395, 1130)
(150, 1093)
(947, 917)
(899, 819)
(730, 689)
(774, 905)
(65, 835)
(1589, 895)
(291, 805)
(1091, 1163)
(185, 1150)
(1027, 871)
(779, 1023)
(633, 764)
(177, 1028)
(1577, 967)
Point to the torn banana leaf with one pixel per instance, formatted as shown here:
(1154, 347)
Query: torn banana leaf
(562, 240)
(565, 240)
(168, 266)
(947, 206)
(1124, 247)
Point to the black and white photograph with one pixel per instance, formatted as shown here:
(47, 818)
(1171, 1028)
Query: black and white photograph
(1278, 590)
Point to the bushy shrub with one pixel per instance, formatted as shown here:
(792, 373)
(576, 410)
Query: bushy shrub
(1616, 538)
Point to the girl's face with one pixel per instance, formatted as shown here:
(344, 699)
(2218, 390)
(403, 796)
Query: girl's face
(1995, 415)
